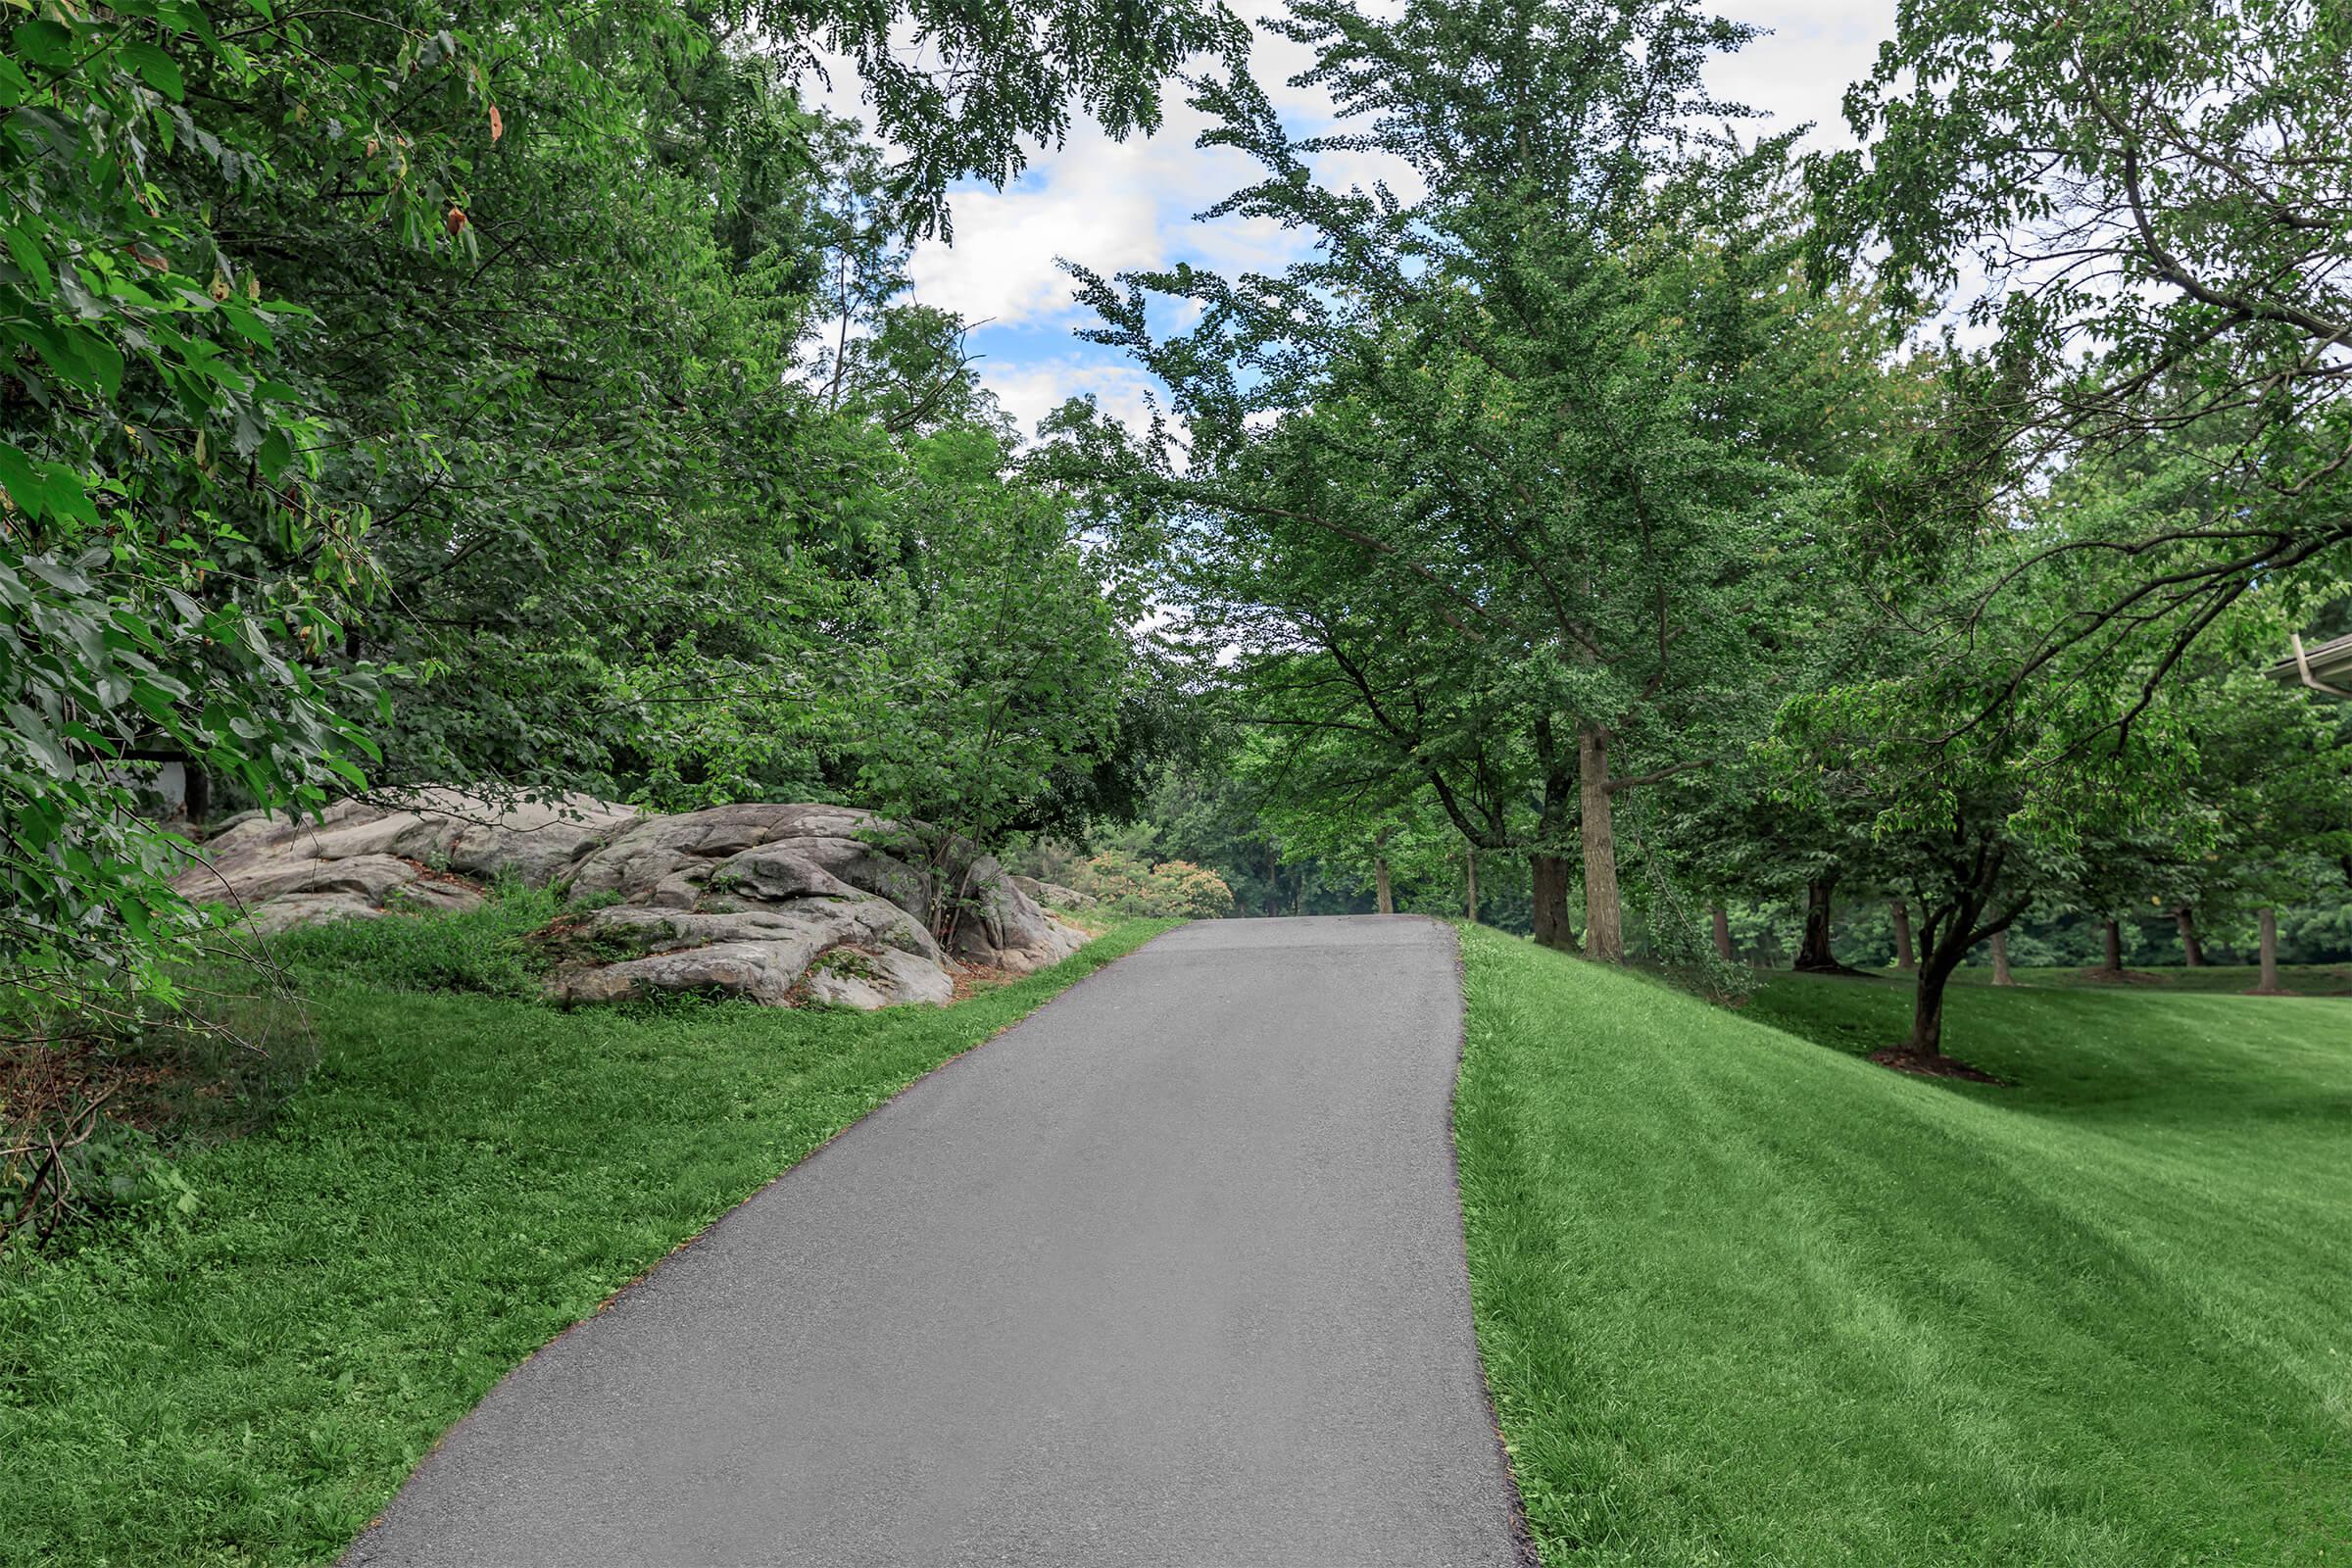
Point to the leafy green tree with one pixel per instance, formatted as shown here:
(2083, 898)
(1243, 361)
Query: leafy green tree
(2273, 790)
(995, 658)
(457, 359)
(170, 572)
(2146, 207)
(1982, 795)
(1523, 426)
(1202, 812)
(1327, 799)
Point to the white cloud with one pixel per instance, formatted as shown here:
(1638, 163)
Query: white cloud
(1092, 202)
(1801, 72)
(1111, 205)
(1030, 391)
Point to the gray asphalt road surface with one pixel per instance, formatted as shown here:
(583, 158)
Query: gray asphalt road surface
(1171, 1273)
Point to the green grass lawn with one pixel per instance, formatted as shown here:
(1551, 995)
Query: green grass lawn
(463, 1176)
(2308, 979)
(1745, 1299)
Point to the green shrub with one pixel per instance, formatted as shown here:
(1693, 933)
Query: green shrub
(1171, 889)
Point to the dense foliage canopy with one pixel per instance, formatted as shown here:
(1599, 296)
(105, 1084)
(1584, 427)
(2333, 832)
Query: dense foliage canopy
(516, 397)
(1586, 483)
(1612, 504)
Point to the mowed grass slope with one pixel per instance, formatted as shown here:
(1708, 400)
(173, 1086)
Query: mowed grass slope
(463, 1177)
(2303, 979)
(1744, 1299)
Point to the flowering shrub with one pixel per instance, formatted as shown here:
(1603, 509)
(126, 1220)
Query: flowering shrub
(1126, 884)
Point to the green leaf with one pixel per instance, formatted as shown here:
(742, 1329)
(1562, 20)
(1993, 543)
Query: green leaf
(63, 496)
(25, 252)
(33, 732)
(156, 68)
(277, 451)
(21, 478)
(45, 45)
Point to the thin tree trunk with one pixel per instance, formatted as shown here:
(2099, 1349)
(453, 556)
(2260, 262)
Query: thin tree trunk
(1470, 884)
(1814, 952)
(2001, 960)
(1927, 997)
(1906, 958)
(2112, 936)
(1604, 930)
(2269, 985)
(1947, 948)
(1547, 875)
(1723, 933)
(2192, 950)
(196, 792)
(1383, 891)
(1949, 933)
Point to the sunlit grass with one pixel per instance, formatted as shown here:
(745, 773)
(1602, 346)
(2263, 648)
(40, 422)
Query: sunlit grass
(1748, 1301)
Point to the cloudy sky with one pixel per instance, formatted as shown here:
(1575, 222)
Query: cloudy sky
(1111, 205)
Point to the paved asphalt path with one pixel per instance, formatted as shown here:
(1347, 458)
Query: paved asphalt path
(1171, 1273)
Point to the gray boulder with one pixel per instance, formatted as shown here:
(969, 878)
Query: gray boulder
(778, 904)
(431, 849)
(737, 857)
(761, 954)
(1053, 894)
(879, 977)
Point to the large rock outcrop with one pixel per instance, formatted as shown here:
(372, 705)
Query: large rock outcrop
(432, 851)
(775, 902)
(748, 899)
(1053, 894)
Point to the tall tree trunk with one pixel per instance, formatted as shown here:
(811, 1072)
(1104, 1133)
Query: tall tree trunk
(1814, 952)
(1723, 933)
(2268, 985)
(2111, 937)
(1906, 958)
(1470, 884)
(2001, 960)
(1604, 929)
(1547, 875)
(1382, 889)
(2192, 950)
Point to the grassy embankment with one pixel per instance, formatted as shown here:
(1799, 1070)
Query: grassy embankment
(462, 1177)
(1745, 1299)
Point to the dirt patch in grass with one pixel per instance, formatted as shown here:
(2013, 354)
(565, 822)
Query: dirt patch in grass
(1902, 1060)
(971, 980)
